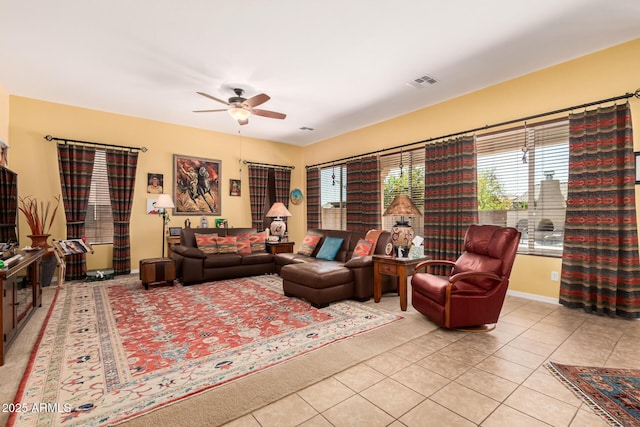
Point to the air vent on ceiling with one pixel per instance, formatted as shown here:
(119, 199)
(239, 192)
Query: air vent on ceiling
(306, 128)
(422, 81)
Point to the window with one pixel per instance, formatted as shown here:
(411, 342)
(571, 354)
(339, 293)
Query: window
(333, 197)
(99, 220)
(522, 183)
(403, 173)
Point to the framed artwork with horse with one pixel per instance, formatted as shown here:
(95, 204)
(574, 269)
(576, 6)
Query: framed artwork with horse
(196, 185)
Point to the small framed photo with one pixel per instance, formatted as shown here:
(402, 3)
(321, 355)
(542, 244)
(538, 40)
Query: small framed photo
(154, 183)
(637, 153)
(174, 231)
(234, 187)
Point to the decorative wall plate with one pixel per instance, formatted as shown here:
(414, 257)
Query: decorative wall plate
(296, 196)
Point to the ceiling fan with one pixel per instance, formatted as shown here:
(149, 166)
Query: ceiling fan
(241, 108)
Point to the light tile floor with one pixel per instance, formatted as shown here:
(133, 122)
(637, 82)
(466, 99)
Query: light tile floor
(452, 378)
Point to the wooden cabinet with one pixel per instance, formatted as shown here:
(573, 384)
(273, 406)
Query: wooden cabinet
(280, 247)
(21, 294)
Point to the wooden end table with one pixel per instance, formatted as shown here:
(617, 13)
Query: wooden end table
(280, 247)
(401, 268)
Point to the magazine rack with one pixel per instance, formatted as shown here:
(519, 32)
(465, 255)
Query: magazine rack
(70, 247)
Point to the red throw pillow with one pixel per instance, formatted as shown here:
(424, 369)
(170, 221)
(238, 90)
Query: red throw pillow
(207, 243)
(363, 248)
(244, 244)
(227, 245)
(258, 242)
(309, 244)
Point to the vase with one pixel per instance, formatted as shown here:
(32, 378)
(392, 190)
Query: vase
(39, 240)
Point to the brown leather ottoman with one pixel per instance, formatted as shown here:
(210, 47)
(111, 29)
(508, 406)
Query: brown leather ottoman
(157, 270)
(320, 283)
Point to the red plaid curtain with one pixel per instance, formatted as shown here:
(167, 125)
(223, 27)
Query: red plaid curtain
(121, 170)
(364, 210)
(600, 266)
(258, 180)
(451, 196)
(313, 198)
(76, 169)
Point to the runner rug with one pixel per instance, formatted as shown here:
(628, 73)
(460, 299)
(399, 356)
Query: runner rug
(111, 351)
(614, 394)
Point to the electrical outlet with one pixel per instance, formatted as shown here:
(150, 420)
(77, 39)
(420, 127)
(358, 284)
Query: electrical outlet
(555, 276)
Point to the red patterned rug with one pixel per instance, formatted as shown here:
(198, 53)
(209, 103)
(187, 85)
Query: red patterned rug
(612, 393)
(111, 351)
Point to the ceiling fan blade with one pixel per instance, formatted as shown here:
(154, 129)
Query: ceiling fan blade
(209, 111)
(243, 122)
(267, 113)
(256, 100)
(212, 97)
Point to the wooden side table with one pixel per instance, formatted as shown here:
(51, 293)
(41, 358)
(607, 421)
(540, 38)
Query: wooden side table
(172, 241)
(401, 268)
(280, 247)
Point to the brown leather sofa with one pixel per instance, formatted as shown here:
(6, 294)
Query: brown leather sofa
(322, 282)
(195, 266)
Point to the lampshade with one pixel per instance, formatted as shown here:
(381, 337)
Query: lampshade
(402, 206)
(164, 202)
(278, 210)
(239, 113)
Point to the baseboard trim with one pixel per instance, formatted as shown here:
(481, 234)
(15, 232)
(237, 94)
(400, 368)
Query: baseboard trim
(533, 297)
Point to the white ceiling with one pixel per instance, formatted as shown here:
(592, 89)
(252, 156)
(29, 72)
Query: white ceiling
(331, 65)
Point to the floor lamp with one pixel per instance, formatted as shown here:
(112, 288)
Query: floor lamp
(163, 203)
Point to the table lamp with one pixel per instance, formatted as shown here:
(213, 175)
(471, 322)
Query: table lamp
(278, 226)
(401, 233)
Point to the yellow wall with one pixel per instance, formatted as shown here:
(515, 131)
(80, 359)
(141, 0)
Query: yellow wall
(601, 75)
(4, 114)
(35, 160)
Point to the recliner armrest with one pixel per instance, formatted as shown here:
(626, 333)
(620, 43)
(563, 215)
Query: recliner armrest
(188, 252)
(432, 262)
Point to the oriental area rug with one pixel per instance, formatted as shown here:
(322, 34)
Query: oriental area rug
(612, 393)
(111, 351)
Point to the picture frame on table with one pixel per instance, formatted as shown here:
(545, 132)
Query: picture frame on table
(196, 185)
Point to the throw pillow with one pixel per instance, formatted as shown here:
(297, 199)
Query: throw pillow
(363, 248)
(330, 248)
(227, 245)
(244, 244)
(258, 241)
(309, 243)
(207, 243)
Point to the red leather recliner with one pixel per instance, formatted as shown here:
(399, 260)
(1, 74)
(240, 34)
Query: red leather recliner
(472, 295)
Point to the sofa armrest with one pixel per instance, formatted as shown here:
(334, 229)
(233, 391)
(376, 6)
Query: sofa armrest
(359, 262)
(188, 252)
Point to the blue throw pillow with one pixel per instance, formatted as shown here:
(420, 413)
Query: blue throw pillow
(330, 248)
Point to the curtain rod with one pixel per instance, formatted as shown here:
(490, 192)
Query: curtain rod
(509, 122)
(75, 141)
(247, 162)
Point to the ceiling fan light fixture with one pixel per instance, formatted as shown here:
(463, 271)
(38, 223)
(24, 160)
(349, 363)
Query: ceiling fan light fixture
(239, 113)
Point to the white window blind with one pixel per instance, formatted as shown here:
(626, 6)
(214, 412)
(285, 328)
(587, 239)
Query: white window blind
(522, 183)
(333, 197)
(99, 220)
(403, 173)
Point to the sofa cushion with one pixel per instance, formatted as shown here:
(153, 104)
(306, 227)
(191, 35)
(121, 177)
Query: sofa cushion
(330, 248)
(207, 243)
(222, 260)
(309, 243)
(363, 248)
(227, 244)
(258, 242)
(257, 258)
(317, 275)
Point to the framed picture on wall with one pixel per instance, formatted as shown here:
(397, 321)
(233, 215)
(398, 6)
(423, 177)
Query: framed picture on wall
(234, 187)
(155, 183)
(196, 186)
